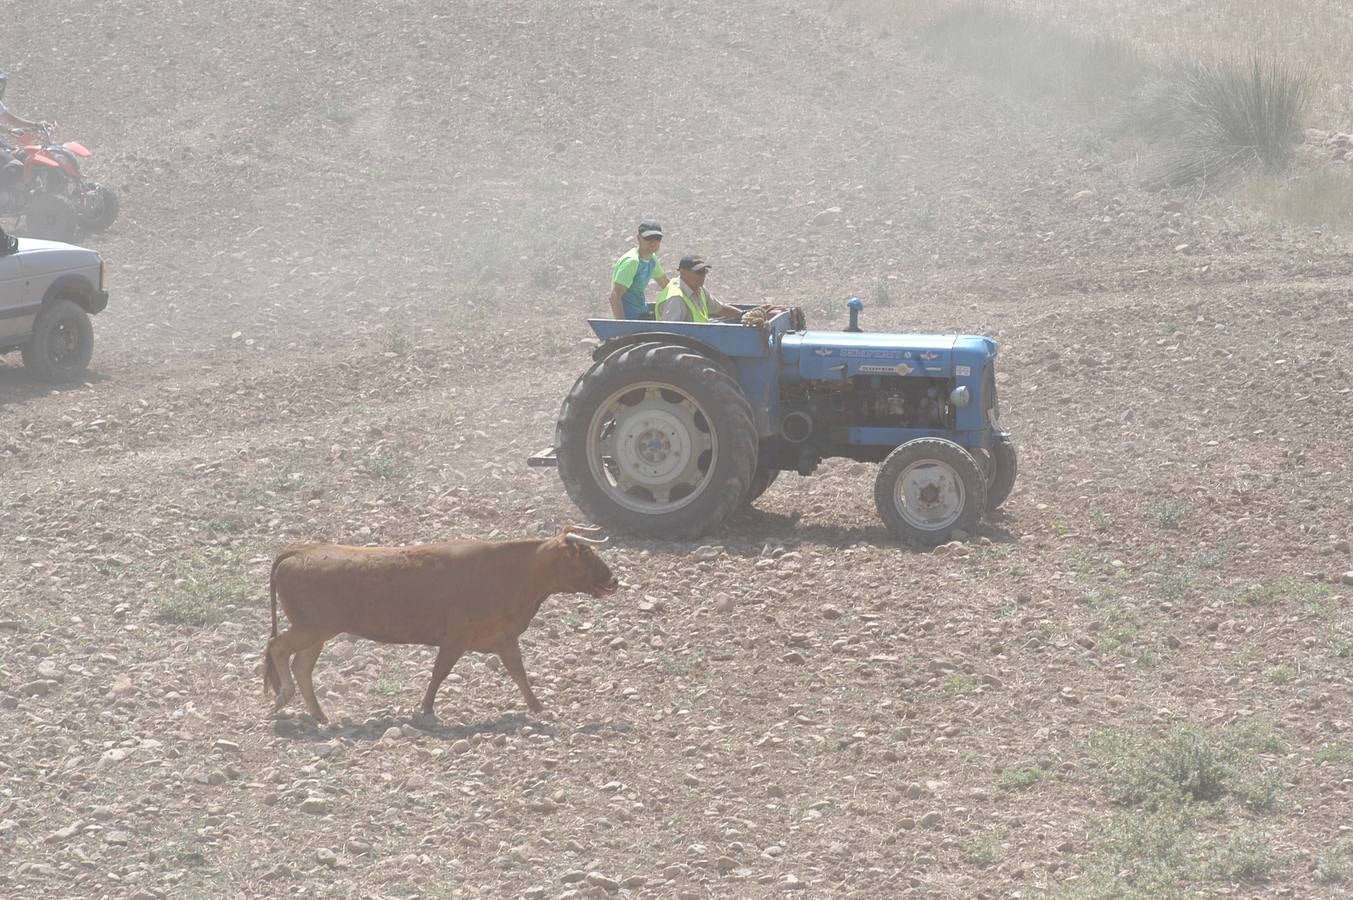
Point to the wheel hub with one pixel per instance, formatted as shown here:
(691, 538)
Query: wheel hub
(651, 448)
(63, 343)
(930, 495)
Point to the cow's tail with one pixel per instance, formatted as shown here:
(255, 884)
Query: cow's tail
(272, 682)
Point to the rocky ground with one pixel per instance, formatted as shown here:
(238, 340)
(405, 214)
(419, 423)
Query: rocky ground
(348, 234)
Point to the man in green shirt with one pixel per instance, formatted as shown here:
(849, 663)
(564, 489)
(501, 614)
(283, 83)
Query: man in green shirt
(686, 300)
(632, 272)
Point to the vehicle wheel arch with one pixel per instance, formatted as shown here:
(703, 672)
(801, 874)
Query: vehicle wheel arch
(73, 287)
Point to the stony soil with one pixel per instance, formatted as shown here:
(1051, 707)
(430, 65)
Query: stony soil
(358, 245)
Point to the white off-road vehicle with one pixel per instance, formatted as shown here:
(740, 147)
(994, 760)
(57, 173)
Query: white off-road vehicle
(48, 291)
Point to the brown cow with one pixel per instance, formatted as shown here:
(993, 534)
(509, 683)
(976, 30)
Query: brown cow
(457, 596)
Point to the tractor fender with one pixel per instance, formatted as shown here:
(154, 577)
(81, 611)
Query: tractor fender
(615, 345)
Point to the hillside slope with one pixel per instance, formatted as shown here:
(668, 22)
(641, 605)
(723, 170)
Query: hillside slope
(359, 242)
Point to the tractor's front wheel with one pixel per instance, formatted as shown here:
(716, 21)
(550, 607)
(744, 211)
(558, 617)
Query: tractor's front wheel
(762, 479)
(656, 440)
(928, 487)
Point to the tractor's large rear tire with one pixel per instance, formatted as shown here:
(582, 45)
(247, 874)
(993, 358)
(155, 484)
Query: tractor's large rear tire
(928, 487)
(762, 479)
(1001, 469)
(656, 440)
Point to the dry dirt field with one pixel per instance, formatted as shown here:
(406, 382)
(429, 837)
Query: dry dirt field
(358, 246)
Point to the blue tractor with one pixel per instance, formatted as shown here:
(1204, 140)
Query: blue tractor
(676, 425)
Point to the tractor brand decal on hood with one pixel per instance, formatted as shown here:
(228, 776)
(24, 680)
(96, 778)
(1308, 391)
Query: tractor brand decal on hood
(928, 355)
(820, 351)
(870, 353)
(871, 369)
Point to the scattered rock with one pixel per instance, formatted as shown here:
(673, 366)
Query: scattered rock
(604, 882)
(39, 688)
(121, 687)
(829, 216)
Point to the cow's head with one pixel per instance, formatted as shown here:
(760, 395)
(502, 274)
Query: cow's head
(578, 569)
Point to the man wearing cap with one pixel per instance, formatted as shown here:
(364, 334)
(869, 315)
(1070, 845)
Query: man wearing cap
(686, 300)
(630, 277)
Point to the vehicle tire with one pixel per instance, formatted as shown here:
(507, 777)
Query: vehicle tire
(656, 440)
(928, 487)
(1002, 467)
(762, 479)
(99, 209)
(52, 218)
(62, 343)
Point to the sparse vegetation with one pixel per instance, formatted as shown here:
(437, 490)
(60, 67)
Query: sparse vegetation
(1279, 675)
(1321, 198)
(1187, 766)
(1242, 857)
(381, 463)
(1021, 778)
(883, 294)
(957, 683)
(1168, 514)
(200, 593)
(395, 339)
(1212, 120)
(1333, 864)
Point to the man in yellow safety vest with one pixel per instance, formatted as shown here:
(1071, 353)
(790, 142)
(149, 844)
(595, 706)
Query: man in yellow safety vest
(686, 300)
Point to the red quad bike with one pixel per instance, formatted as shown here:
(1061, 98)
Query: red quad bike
(41, 181)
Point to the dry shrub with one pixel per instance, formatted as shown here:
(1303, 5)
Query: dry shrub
(1323, 199)
(1211, 121)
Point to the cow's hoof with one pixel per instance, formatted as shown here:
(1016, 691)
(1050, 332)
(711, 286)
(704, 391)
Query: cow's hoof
(425, 720)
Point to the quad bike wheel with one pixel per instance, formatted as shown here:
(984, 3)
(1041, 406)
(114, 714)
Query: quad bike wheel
(928, 487)
(99, 209)
(52, 218)
(62, 343)
(656, 440)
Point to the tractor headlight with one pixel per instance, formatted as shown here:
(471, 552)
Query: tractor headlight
(960, 397)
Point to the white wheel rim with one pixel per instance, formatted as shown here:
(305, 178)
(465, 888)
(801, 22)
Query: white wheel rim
(651, 448)
(929, 495)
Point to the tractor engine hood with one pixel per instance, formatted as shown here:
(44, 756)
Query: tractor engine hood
(837, 355)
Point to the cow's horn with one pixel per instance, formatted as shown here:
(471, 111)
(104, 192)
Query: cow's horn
(580, 539)
(584, 529)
